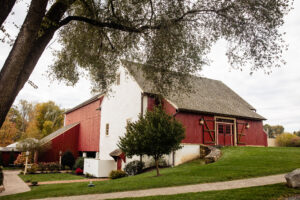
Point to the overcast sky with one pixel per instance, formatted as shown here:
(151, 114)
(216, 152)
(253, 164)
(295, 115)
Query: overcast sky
(275, 96)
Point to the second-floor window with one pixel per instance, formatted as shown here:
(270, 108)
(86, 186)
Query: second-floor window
(107, 129)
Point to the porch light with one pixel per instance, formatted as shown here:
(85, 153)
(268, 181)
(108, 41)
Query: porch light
(247, 125)
(201, 122)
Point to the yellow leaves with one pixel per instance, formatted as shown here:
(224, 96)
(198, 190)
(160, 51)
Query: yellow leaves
(8, 132)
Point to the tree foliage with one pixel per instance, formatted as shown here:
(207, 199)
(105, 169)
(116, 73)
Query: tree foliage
(154, 134)
(48, 117)
(273, 131)
(28, 120)
(9, 132)
(166, 35)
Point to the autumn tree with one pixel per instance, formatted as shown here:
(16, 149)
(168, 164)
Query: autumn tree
(48, 117)
(9, 132)
(166, 35)
(273, 131)
(154, 134)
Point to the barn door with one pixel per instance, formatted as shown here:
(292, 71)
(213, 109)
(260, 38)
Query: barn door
(241, 133)
(208, 131)
(225, 134)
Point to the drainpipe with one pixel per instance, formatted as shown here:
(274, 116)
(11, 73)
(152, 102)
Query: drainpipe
(142, 113)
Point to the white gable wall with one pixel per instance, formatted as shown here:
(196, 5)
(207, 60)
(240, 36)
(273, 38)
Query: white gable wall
(121, 104)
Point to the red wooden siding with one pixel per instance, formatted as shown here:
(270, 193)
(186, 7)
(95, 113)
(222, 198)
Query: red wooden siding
(66, 141)
(199, 134)
(6, 156)
(89, 131)
(255, 135)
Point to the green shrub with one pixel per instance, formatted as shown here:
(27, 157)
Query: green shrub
(79, 163)
(33, 169)
(134, 167)
(68, 159)
(114, 174)
(285, 139)
(53, 166)
(42, 167)
(161, 162)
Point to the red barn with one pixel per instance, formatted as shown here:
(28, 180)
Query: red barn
(211, 113)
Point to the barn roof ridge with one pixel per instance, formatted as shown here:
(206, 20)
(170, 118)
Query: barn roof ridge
(215, 96)
(90, 100)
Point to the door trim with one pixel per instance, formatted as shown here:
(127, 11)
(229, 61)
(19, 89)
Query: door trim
(234, 129)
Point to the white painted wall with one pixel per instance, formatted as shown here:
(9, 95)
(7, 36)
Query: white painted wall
(187, 153)
(99, 168)
(124, 102)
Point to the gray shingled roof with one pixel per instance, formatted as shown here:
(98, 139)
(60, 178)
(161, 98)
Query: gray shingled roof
(58, 132)
(208, 96)
(90, 100)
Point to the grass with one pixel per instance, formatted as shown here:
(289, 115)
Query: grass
(49, 177)
(278, 191)
(236, 163)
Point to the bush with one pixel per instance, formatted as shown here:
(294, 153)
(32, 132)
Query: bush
(295, 142)
(42, 167)
(114, 174)
(33, 169)
(68, 159)
(20, 161)
(161, 162)
(79, 163)
(53, 166)
(79, 171)
(134, 167)
(285, 139)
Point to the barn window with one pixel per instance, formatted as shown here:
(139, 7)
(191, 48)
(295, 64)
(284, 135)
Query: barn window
(107, 129)
(228, 130)
(220, 128)
(118, 79)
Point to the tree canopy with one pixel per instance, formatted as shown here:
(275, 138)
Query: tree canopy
(166, 35)
(273, 131)
(28, 120)
(154, 134)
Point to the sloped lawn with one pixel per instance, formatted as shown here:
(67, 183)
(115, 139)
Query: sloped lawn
(236, 163)
(268, 192)
(50, 177)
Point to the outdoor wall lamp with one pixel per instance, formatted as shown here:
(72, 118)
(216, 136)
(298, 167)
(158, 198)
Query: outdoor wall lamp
(247, 125)
(201, 122)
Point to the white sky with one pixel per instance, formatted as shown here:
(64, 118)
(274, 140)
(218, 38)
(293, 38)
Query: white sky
(275, 96)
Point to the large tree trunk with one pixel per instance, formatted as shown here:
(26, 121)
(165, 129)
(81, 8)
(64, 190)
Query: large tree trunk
(13, 68)
(5, 9)
(27, 50)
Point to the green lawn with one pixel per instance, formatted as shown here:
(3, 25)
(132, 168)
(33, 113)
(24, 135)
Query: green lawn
(278, 191)
(236, 163)
(50, 177)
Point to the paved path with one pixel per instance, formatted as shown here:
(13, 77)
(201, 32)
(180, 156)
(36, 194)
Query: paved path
(266, 180)
(72, 181)
(13, 184)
